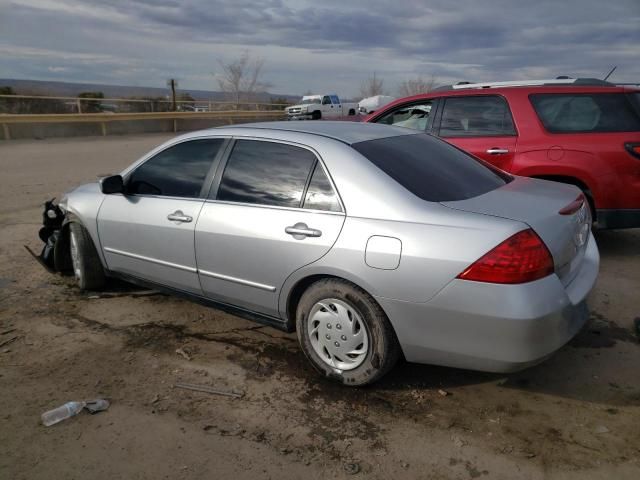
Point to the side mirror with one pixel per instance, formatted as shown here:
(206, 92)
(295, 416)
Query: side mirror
(112, 184)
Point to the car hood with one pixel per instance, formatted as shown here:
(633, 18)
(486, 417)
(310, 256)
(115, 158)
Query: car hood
(537, 203)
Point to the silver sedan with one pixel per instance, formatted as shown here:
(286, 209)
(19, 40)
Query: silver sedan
(370, 241)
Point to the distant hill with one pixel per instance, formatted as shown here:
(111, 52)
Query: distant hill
(69, 89)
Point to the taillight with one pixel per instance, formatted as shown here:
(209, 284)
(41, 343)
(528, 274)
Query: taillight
(633, 149)
(521, 258)
(573, 207)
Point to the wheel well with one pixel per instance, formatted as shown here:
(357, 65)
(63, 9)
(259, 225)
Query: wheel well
(352, 111)
(298, 290)
(573, 181)
(62, 256)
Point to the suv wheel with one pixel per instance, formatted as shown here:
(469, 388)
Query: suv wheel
(344, 333)
(87, 267)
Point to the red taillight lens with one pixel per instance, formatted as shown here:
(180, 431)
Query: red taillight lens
(633, 149)
(521, 258)
(574, 206)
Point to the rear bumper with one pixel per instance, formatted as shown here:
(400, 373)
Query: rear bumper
(618, 218)
(495, 328)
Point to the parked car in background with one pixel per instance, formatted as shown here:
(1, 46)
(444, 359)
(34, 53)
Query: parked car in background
(371, 104)
(584, 132)
(316, 107)
(368, 240)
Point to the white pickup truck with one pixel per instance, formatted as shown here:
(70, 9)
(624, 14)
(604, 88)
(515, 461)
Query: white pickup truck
(316, 107)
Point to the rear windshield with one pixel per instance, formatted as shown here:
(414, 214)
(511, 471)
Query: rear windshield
(431, 168)
(590, 112)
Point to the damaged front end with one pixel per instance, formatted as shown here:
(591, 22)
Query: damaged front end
(55, 256)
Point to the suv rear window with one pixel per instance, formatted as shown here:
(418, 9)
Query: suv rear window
(431, 168)
(586, 112)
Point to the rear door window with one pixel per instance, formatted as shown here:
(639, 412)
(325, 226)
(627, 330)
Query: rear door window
(320, 194)
(480, 116)
(266, 173)
(590, 112)
(178, 171)
(431, 168)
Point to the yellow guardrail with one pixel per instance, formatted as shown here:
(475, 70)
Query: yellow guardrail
(104, 118)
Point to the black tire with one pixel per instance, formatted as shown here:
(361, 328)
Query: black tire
(317, 115)
(352, 112)
(87, 267)
(383, 348)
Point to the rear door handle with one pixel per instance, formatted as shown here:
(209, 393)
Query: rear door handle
(300, 230)
(497, 151)
(178, 216)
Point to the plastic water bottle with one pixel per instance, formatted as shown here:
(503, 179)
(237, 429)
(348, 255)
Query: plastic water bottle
(63, 412)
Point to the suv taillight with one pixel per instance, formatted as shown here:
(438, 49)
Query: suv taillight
(521, 258)
(633, 149)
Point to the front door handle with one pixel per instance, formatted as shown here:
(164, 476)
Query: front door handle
(497, 151)
(178, 216)
(300, 231)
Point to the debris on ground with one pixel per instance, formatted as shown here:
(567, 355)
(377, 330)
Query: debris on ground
(71, 409)
(443, 393)
(11, 340)
(351, 468)
(601, 429)
(183, 354)
(207, 389)
(97, 405)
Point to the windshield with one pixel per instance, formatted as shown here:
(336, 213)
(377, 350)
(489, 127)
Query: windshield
(432, 169)
(308, 101)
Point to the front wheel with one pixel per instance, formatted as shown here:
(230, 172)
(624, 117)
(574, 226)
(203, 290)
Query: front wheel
(317, 115)
(87, 267)
(344, 333)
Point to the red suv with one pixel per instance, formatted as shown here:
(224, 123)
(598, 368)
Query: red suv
(585, 132)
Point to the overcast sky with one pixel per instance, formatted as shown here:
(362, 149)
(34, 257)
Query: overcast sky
(321, 45)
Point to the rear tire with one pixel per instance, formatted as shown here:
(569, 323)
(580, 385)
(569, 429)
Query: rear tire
(87, 267)
(336, 313)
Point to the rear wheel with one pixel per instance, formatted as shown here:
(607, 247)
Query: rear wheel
(87, 267)
(344, 333)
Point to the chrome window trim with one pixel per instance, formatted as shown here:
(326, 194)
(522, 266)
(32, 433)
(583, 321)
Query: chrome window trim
(274, 207)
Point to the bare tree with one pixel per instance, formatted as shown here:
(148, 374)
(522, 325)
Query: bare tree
(415, 86)
(240, 79)
(372, 86)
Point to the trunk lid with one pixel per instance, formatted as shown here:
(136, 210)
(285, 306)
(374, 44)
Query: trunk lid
(538, 203)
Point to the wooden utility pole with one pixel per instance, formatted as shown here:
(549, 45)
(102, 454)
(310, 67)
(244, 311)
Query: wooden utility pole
(173, 84)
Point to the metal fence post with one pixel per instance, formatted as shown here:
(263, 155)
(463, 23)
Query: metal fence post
(7, 134)
(78, 103)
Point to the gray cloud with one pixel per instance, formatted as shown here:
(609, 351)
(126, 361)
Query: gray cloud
(329, 45)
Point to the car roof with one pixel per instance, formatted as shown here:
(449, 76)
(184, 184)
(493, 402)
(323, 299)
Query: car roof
(344, 131)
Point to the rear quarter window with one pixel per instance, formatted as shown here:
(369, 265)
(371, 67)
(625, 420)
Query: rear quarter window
(587, 112)
(430, 168)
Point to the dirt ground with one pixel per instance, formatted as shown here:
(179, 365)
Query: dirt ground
(576, 416)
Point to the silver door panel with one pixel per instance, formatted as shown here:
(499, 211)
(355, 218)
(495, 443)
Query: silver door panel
(244, 254)
(138, 239)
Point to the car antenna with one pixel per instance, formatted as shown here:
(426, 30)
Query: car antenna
(609, 74)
